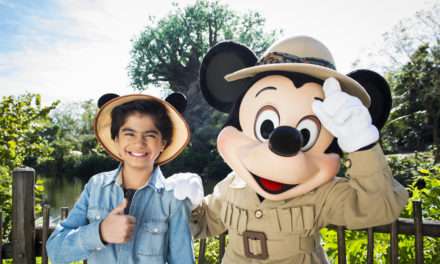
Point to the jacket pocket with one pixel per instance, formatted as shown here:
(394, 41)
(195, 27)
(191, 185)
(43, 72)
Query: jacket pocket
(151, 238)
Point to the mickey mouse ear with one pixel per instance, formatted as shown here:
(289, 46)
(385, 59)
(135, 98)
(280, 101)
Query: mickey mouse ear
(222, 59)
(178, 100)
(105, 98)
(380, 94)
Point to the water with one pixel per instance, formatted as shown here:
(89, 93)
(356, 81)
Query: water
(61, 192)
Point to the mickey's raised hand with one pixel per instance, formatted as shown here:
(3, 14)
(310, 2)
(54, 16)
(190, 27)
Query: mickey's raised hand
(345, 117)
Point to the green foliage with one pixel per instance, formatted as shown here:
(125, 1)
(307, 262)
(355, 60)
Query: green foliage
(423, 181)
(23, 123)
(405, 166)
(414, 121)
(211, 251)
(23, 120)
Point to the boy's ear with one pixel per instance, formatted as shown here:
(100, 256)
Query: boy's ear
(222, 59)
(380, 94)
(178, 100)
(105, 98)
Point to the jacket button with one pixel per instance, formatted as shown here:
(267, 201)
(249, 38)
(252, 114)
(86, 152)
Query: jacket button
(155, 230)
(98, 217)
(258, 214)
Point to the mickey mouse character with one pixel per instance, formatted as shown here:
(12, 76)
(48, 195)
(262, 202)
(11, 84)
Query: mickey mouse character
(291, 116)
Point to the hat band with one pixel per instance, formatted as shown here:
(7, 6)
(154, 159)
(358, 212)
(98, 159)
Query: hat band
(281, 57)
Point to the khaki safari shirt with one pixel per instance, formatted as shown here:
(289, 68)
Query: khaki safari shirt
(288, 231)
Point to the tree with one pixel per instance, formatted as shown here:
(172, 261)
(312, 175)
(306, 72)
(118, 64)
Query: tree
(416, 88)
(23, 123)
(168, 53)
(77, 153)
(398, 44)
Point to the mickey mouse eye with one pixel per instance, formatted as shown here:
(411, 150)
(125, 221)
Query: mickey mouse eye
(309, 127)
(267, 120)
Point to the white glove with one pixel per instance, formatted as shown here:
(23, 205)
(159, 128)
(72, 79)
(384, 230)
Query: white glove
(345, 117)
(186, 185)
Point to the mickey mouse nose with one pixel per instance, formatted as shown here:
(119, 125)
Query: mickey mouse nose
(285, 141)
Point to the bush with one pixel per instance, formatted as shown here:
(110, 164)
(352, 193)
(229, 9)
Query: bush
(423, 181)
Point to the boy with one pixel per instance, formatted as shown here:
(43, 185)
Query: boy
(149, 225)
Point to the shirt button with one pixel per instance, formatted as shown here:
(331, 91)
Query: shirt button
(156, 230)
(98, 217)
(98, 248)
(347, 163)
(258, 214)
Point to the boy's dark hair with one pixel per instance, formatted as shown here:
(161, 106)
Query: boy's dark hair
(151, 108)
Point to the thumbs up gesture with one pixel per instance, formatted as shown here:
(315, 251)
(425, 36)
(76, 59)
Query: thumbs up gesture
(118, 228)
(345, 117)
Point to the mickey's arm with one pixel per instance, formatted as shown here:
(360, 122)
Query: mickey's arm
(370, 196)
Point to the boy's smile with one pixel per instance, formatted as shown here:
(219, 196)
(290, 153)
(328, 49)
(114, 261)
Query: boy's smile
(139, 142)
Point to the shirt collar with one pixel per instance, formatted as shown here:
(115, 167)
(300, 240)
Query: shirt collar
(156, 181)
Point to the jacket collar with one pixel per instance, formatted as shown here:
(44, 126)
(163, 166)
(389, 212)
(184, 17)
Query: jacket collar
(156, 181)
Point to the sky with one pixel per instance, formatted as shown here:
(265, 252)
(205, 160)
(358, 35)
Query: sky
(72, 50)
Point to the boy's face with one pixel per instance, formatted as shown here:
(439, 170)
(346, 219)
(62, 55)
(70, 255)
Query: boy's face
(139, 141)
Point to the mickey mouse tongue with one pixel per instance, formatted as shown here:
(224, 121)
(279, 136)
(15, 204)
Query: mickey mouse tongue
(271, 185)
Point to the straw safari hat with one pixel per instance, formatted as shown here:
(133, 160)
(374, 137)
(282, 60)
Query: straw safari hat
(174, 104)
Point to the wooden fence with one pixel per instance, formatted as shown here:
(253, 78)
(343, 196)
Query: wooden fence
(29, 241)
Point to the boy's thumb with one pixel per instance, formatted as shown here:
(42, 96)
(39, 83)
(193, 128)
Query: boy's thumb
(120, 208)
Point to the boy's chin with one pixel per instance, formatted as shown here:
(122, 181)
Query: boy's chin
(139, 164)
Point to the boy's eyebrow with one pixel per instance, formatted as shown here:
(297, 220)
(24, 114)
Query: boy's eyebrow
(127, 129)
(151, 131)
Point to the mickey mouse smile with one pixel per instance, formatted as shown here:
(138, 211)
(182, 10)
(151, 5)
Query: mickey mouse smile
(272, 187)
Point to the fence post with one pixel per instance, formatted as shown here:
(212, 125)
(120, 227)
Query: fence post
(202, 249)
(64, 212)
(394, 244)
(342, 259)
(23, 223)
(418, 222)
(370, 246)
(45, 233)
(1, 235)
(222, 245)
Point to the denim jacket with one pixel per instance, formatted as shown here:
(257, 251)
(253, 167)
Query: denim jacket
(162, 233)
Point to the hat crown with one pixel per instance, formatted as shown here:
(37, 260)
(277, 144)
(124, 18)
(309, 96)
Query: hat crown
(302, 46)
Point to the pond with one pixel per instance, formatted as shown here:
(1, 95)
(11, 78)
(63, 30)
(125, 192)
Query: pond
(61, 192)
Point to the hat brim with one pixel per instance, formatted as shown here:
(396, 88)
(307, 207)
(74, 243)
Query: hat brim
(179, 139)
(348, 84)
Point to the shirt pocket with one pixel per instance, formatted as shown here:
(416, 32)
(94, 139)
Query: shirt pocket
(151, 238)
(97, 214)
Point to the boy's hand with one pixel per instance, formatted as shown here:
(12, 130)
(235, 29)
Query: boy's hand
(117, 228)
